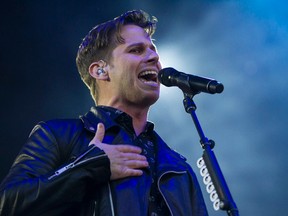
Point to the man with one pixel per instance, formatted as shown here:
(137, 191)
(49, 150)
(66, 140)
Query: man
(110, 161)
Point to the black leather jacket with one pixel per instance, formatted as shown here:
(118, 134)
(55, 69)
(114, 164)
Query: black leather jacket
(56, 173)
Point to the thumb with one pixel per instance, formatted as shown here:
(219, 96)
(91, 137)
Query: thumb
(99, 135)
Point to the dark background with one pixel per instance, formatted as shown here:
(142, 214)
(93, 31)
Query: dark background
(243, 44)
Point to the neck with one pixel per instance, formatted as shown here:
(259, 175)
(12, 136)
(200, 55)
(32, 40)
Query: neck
(139, 118)
(139, 115)
(139, 122)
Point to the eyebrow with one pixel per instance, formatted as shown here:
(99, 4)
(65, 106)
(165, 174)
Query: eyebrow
(141, 44)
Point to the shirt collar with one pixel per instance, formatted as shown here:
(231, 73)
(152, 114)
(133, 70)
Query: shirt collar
(123, 118)
(110, 117)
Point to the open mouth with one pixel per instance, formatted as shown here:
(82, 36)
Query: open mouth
(148, 76)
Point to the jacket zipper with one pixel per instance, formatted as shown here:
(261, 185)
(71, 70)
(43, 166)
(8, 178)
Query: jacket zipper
(76, 162)
(158, 185)
(111, 200)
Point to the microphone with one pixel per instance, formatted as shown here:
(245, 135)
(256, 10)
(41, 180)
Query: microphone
(188, 83)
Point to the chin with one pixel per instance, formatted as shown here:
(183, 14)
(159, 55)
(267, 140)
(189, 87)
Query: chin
(151, 100)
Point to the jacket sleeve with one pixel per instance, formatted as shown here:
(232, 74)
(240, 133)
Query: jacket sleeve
(42, 177)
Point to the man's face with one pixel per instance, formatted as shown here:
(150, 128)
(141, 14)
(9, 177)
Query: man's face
(133, 69)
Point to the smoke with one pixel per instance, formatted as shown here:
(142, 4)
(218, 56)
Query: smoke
(243, 44)
(246, 52)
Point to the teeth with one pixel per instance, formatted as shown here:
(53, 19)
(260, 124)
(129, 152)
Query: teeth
(149, 77)
(148, 72)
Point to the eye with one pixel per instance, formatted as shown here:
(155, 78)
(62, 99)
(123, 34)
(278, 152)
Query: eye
(136, 50)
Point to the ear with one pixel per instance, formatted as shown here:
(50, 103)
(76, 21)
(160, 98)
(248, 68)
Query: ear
(94, 70)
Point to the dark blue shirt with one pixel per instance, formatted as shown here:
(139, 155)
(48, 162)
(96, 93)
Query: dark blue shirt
(146, 142)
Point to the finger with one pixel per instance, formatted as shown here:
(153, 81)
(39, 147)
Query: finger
(136, 164)
(100, 133)
(129, 148)
(133, 172)
(134, 156)
(128, 172)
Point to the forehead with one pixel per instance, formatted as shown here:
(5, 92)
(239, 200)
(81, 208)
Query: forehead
(133, 33)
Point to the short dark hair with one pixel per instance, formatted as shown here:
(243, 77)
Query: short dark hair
(101, 40)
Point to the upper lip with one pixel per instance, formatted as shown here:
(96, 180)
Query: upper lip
(150, 71)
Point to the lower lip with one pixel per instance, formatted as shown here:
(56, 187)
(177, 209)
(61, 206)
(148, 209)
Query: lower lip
(150, 83)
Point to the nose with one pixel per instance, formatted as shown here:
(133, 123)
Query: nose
(153, 56)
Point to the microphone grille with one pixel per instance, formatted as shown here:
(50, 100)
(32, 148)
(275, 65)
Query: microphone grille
(165, 76)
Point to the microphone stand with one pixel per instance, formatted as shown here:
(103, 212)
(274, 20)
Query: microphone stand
(221, 197)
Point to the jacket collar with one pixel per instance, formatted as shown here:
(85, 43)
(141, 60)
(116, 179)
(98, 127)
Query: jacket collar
(168, 158)
(95, 116)
(109, 116)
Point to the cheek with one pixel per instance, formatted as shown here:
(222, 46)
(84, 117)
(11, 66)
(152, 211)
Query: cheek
(126, 68)
(159, 65)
